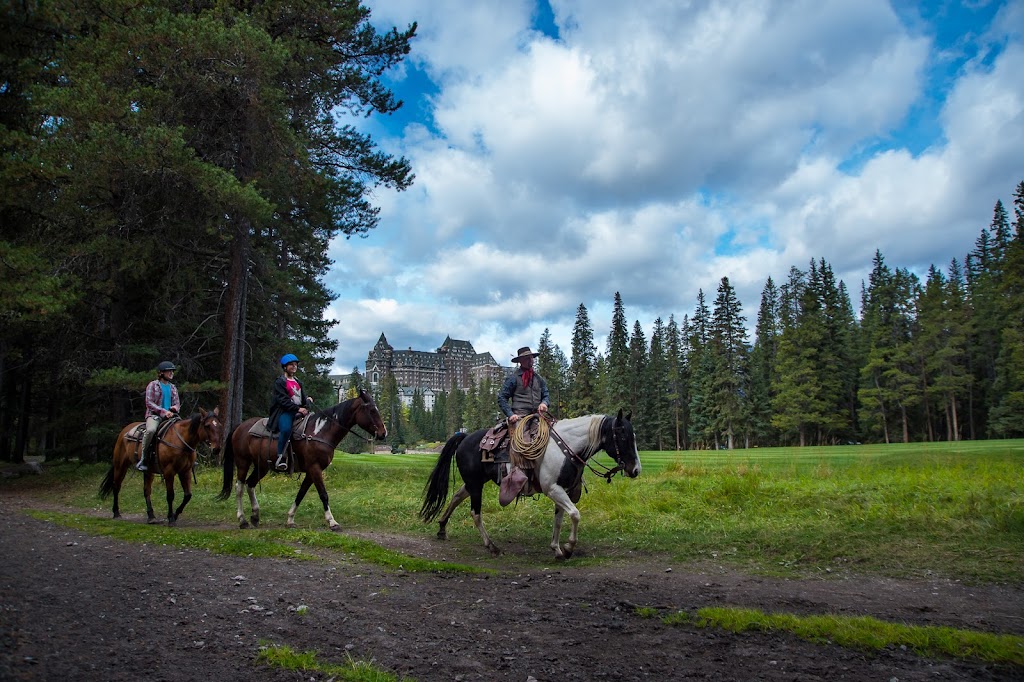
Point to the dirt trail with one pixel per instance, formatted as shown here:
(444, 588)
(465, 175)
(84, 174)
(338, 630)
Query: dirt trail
(77, 607)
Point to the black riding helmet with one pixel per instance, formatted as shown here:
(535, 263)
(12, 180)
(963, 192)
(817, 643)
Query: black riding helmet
(165, 366)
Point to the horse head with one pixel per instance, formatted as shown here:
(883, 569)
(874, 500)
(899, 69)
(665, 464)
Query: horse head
(368, 417)
(210, 424)
(621, 444)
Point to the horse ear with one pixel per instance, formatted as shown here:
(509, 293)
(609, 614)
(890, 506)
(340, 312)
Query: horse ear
(202, 412)
(629, 417)
(619, 416)
(216, 411)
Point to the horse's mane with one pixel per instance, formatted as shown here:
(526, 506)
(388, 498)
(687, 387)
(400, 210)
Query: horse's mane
(336, 411)
(193, 425)
(594, 435)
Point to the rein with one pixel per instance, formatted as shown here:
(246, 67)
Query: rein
(348, 430)
(607, 474)
(170, 427)
(187, 448)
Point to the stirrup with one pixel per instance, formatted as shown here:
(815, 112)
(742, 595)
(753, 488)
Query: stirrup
(282, 463)
(141, 466)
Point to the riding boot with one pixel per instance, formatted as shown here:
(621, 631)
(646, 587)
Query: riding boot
(143, 449)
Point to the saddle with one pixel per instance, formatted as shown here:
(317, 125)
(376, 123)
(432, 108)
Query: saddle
(135, 435)
(260, 430)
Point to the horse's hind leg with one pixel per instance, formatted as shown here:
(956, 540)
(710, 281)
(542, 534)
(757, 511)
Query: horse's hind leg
(308, 480)
(460, 496)
(254, 505)
(476, 503)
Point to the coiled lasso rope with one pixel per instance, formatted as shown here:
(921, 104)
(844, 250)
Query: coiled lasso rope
(521, 444)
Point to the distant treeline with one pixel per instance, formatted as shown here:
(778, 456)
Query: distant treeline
(936, 360)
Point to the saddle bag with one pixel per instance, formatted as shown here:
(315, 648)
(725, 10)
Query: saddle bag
(494, 445)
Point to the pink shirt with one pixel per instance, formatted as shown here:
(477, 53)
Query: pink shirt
(292, 386)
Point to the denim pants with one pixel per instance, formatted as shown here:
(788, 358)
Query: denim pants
(284, 424)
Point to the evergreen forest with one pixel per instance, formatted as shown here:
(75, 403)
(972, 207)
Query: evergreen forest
(938, 359)
(172, 175)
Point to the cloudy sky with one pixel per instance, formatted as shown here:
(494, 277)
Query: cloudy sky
(566, 150)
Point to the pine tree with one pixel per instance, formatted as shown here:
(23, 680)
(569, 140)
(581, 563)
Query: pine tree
(654, 398)
(889, 386)
(551, 365)
(799, 399)
(637, 372)
(584, 398)
(617, 395)
(1006, 418)
(763, 370)
(730, 382)
(676, 374)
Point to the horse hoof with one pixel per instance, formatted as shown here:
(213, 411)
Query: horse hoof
(495, 551)
(117, 516)
(243, 524)
(336, 528)
(441, 535)
(290, 524)
(255, 522)
(153, 521)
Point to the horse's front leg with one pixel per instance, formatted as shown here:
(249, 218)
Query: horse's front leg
(169, 485)
(186, 489)
(303, 488)
(147, 490)
(321, 489)
(562, 505)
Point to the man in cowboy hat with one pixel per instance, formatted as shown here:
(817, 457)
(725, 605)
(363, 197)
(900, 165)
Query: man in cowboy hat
(524, 391)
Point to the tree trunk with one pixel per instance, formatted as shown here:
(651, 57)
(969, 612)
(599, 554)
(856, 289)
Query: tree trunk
(233, 362)
(24, 409)
(952, 401)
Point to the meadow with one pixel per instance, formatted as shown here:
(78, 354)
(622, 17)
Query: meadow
(953, 510)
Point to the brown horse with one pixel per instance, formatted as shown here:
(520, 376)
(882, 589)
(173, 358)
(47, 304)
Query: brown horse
(175, 456)
(312, 450)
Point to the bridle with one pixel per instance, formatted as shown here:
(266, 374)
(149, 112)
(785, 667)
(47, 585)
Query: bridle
(606, 472)
(330, 415)
(184, 445)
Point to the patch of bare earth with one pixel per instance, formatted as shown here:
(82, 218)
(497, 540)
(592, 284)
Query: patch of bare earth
(78, 607)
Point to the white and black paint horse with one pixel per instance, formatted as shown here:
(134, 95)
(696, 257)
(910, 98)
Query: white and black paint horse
(559, 474)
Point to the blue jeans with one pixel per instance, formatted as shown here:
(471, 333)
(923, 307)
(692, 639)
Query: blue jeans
(284, 424)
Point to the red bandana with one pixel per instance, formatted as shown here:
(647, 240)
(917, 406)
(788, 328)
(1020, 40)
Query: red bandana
(527, 377)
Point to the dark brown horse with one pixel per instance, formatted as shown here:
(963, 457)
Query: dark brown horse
(175, 456)
(312, 451)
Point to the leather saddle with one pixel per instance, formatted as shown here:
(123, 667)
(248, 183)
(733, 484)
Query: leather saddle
(260, 430)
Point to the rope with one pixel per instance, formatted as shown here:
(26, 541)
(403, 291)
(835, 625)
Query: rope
(521, 443)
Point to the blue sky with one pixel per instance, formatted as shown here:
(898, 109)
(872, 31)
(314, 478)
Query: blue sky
(566, 151)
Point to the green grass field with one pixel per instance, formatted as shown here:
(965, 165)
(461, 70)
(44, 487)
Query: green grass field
(951, 510)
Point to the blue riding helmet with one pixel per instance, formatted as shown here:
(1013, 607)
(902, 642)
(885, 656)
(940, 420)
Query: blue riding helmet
(165, 367)
(285, 359)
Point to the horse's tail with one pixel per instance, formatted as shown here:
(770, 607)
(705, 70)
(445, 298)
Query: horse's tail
(435, 493)
(107, 486)
(229, 468)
